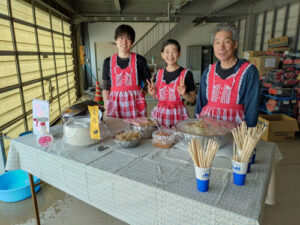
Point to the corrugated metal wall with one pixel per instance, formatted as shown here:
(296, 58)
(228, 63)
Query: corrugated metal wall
(36, 62)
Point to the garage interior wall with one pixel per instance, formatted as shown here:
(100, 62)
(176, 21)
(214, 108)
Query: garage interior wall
(36, 62)
(283, 21)
(96, 34)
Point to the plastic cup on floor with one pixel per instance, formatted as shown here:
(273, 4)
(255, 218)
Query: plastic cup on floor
(202, 178)
(239, 170)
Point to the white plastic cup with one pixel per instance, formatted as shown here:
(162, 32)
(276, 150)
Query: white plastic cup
(202, 178)
(239, 170)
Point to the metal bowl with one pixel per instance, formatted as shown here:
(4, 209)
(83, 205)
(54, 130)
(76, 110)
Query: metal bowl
(222, 134)
(146, 131)
(221, 140)
(128, 144)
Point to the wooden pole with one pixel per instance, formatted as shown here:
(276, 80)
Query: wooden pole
(34, 201)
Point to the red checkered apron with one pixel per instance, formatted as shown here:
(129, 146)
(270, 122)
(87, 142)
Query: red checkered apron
(126, 99)
(170, 108)
(223, 95)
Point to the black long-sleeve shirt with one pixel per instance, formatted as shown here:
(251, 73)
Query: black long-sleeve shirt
(142, 70)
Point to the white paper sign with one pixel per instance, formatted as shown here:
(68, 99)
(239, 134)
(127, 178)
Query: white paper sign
(270, 62)
(40, 108)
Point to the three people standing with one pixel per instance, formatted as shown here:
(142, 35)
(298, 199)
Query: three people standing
(229, 88)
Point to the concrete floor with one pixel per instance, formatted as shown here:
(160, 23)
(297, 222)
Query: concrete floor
(59, 208)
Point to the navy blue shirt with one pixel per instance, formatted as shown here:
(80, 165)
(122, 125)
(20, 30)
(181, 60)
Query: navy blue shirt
(249, 92)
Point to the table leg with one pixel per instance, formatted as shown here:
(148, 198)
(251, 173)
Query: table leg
(34, 201)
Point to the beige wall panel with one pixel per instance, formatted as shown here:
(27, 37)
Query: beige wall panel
(62, 80)
(54, 110)
(8, 74)
(58, 43)
(30, 76)
(3, 7)
(71, 84)
(42, 18)
(67, 28)
(47, 66)
(29, 122)
(73, 96)
(56, 24)
(60, 69)
(48, 72)
(70, 65)
(45, 41)
(29, 68)
(64, 102)
(71, 77)
(68, 45)
(33, 91)
(28, 64)
(25, 37)
(11, 101)
(62, 83)
(5, 36)
(60, 63)
(22, 10)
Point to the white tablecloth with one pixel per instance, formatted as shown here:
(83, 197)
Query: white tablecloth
(147, 185)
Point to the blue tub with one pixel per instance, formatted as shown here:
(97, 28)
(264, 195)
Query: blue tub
(15, 186)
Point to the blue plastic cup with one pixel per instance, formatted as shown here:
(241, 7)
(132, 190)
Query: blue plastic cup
(239, 170)
(202, 178)
(253, 156)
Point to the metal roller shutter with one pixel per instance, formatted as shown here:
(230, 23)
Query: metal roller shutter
(36, 62)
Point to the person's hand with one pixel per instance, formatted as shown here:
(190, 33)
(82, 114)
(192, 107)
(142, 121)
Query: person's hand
(151, 87)
(181, 88)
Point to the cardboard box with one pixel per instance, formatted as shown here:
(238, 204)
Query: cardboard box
(282, 41)
(280, 49)
(248, 54)
(280, 127)
(265, 63)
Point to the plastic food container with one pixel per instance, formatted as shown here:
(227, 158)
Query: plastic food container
(147, 130)
(165, 138)
(77, 132)
(128, 139)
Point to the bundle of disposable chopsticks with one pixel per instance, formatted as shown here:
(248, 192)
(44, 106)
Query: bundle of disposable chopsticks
(203, 156)
(246, 139)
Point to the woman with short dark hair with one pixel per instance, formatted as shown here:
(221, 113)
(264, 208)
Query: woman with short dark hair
(170, 86)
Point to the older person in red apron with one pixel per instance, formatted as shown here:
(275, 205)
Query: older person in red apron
(123, 74)
(229, 89)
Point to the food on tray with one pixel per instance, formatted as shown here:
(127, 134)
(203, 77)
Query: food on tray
(128, 135)
(205, 126)
(163, 139)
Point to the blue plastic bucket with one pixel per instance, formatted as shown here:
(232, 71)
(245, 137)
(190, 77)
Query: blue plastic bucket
(15, 186)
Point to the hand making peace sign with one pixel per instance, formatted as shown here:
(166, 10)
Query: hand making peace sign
(181, 87)
(151, 87)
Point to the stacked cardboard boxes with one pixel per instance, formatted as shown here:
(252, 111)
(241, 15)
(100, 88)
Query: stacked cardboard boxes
(279, 44)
